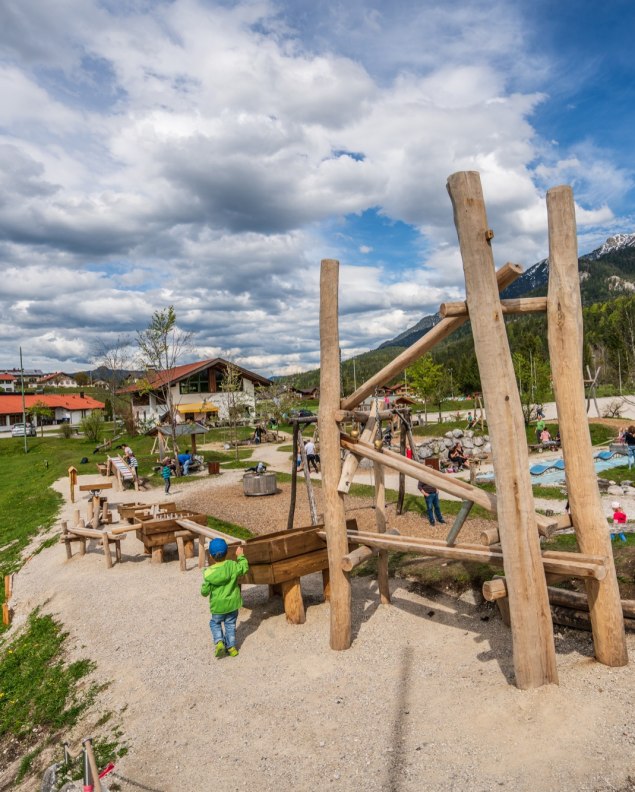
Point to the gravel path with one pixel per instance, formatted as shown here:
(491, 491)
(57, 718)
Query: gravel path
(421, 701)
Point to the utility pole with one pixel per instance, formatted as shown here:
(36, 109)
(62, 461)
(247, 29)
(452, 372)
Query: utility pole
(26, 450)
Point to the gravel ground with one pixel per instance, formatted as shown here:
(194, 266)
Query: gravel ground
(422, 700)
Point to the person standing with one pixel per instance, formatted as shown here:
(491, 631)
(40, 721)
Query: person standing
(433, 507)
(311, 455)
(220, 584)
(166, 473)
(619, 519)
(629, 439)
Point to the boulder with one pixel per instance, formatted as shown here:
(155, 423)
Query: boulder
(614, 490)
(456, 433)
(478, 441)
(487, 448)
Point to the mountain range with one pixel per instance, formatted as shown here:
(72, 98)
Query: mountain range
(606, 272)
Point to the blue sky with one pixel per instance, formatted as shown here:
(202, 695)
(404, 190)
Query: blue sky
(208, 154)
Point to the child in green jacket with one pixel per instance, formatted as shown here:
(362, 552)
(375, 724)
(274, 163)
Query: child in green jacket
(220, 585)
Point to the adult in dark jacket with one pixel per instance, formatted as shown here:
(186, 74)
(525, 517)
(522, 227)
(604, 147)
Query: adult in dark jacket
(431, 495)
(629, 439)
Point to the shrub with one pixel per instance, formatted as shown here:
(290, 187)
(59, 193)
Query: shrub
(66, 430)
(93, 425)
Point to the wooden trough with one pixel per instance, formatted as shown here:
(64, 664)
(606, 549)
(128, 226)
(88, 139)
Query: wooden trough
(157, 532)
(132, 512)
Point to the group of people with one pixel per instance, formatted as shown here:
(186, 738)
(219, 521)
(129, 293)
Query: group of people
(170, 467)
(627, 436)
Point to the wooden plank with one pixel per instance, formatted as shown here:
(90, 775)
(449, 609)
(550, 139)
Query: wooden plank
(97, 487)
(505, 276)
(290, 568)
(565, 338)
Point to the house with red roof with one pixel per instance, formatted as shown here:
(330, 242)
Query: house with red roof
(8, 383)
(67, 408)
(196, 389)
(57, 380)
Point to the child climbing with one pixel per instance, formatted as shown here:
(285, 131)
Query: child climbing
(220, 585)
(619, 519)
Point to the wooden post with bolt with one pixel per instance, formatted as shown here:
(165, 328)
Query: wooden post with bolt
(532, 628)
(334, 516)
(564, 313)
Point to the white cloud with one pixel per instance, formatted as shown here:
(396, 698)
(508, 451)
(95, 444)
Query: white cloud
(189, 152)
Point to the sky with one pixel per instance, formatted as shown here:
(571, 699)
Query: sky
(207, 154)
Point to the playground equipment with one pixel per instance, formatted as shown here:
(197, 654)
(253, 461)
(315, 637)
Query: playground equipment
(80, 534)
(519, 526)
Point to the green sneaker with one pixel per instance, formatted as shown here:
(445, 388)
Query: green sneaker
(232, 651)
(219, 650)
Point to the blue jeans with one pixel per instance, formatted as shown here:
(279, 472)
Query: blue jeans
(216, 626)
(631, 454)
(186, 467)
(432, 505)
(167, 485)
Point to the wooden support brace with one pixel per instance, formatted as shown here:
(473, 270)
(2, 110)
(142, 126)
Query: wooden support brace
(459, 521)
(520, 305)
(293, 602)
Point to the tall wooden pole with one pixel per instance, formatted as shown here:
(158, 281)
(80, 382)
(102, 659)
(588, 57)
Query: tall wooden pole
(564, 312)
(380, 522)
(402, 479)
(294, 476)
(532, 629)
(334, 516)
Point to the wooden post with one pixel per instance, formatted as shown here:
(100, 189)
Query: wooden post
(402, 478)
(201, 552)
(72, 481)
(459, 521)
(180, 546)
(96, 511)
(351, 463)
(76, 517)
(334, 516)
(106, 546)
(380, 522)
(309, 486)
(157, 555)
(69, 551)
(294, 476)
(564, 313)
(532, 629)
(293, 603)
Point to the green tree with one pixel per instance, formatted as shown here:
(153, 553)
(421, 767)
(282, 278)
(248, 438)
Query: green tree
(533, 377)
(115, 357)
(40, 412)
(235, 400)
(161, 347)
(428, 381)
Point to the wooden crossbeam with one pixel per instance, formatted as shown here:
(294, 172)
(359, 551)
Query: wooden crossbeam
(571, 564)
(505, 276)
(519, 305)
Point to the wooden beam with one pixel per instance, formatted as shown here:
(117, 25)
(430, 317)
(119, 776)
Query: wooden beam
(505, 276)
(519, 305)
(294, 476)
(380, 522)
(334, 515)
(532, 629)
(361, 416)
(357, 557)
(351, 462)
(564, 313)
(459, 521)
(572, 564)
(293, 602)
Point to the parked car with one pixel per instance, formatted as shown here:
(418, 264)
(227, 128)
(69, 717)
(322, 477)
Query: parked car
(20, 429)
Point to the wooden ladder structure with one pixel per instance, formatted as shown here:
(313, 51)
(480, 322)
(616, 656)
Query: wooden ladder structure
(526, 568)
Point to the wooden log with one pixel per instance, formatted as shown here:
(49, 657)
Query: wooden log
(362, 416)
(202, 554)
(294, 476)
(490, 536)
(8, 587)
(564, 312)
(518, 305)
(309, 486)
(6, 614)
(334, 515)
(76, 516)
(505, 276)
(401, 492)
(91, 533)
(532, 629)
(459, 521)
(69, 549)
(383, 582)
(293, 602)
(570, 564)
(157, 554)
(208, 533)
(351, 462)
(357, 557)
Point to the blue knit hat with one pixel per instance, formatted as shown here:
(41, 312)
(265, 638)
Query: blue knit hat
(217, 546)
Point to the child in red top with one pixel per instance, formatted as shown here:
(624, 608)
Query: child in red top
(619, 519)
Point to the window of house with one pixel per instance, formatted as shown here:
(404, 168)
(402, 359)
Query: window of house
(197, 383)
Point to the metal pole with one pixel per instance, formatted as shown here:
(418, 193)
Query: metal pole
(26, 450)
